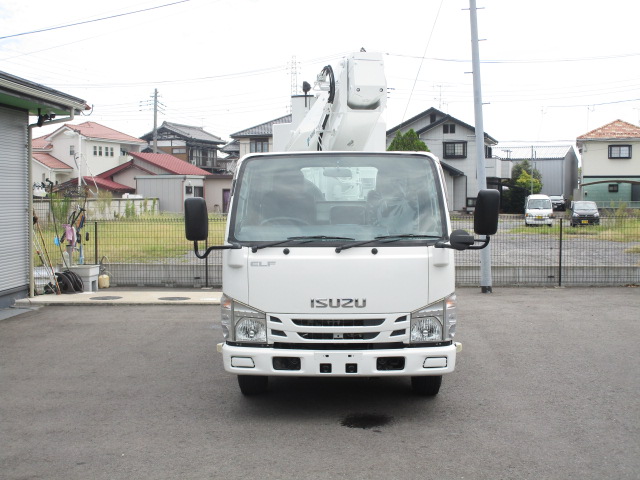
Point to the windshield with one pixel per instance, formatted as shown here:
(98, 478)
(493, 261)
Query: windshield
(585, 206)
(539, 204)
(336, 197)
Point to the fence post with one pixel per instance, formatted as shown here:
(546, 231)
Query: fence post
(95, 242)
(560, 257)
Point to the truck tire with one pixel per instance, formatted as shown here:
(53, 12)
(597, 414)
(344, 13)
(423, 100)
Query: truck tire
(426, 386)
(252, 384)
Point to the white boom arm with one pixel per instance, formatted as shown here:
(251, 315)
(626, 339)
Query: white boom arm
(347, 112)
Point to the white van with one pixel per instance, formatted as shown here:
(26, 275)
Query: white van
(538, 210)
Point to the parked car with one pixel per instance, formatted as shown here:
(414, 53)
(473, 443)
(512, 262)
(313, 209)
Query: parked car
(584, 213)
(558, 202)
(538, 210)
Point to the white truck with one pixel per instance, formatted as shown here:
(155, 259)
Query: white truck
(338, 257)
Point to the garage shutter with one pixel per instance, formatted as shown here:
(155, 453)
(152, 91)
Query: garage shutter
(14, 202)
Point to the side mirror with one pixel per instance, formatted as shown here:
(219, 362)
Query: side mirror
(485, 217)
(461, 240)
(196, 219)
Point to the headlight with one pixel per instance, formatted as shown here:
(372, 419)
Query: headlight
(596, 214)
(242, 323)
(435, 322)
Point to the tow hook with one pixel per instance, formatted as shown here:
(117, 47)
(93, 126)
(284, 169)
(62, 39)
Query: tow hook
(458, 347)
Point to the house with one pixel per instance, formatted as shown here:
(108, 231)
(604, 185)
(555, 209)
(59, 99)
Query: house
(453, 142)
(19, 100)
(557, 164)
(258, 138)
(86, 149)
(611, 164)
(172, 180)
(188, 143)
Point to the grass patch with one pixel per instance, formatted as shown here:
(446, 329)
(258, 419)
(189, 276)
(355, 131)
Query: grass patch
(139, 240)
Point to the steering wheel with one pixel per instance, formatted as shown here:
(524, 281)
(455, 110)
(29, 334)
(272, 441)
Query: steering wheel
(284, 221)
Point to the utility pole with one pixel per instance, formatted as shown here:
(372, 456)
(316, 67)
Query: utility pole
(157, 106)
(485, 253)
(155, 120)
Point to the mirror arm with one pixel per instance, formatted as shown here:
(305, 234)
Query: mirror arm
(234, 246)
(485, 242)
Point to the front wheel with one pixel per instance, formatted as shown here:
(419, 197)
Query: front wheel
(252, 384)
(426, 386)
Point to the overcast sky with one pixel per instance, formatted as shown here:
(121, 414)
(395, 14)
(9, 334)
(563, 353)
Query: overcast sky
(551, 70)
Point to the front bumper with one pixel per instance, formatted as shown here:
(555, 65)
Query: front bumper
(424, 361)
(585, 220)
(539, 220)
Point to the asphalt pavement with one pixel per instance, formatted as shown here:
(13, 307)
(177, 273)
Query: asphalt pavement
(546, 387)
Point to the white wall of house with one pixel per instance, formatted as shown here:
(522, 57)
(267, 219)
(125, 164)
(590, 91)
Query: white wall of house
(435, 140)
(40, 172)
(596, 161)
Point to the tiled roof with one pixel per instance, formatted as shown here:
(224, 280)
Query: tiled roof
(41, 143)
(169, 163)
(262, 130)
(110, 173)
(50, 161)
(102, 183)
(443, 117)
(188, 131)
(106, 184)
(539, 152)
(615, 129)
(96, 131)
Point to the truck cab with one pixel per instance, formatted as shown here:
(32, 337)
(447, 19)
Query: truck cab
(340, 264)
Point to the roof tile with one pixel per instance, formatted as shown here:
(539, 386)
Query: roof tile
(50, 161)
(170, 163)
(615, 129)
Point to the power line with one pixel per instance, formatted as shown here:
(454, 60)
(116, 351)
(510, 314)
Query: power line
(94, 20)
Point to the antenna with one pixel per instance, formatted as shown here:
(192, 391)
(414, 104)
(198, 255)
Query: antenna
(293, 66)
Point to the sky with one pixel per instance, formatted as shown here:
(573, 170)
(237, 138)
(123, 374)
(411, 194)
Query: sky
(550, 70)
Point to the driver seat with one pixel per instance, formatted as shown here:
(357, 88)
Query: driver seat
(290, 200)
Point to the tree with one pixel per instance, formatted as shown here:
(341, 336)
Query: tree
(525, 166)
(409, 142)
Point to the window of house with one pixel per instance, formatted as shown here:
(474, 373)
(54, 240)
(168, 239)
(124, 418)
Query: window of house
(259, 145)
(108, 151)
(449, 128)
(619, 151)
(613, 187)
(95, 150)
(432, 118)
(195, 156)
(72, 150)
(455, 149)
(179, 150)
(488, 151)
(99, 151)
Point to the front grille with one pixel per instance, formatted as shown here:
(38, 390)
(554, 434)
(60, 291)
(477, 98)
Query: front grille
(338, 336)
(339, 346)
(336, 322)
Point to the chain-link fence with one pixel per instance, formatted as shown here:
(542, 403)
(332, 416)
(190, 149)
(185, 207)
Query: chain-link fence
(152, 251)
(556, 255)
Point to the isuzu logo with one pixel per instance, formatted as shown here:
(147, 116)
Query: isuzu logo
(338, 302)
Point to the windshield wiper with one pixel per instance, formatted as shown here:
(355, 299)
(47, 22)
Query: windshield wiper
(385, 239)
(302, 239)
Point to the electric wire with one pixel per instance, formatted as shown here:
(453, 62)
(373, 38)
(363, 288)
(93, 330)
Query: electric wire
(92, 21)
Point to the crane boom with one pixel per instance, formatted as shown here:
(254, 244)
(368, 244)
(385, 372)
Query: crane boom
(346, 112)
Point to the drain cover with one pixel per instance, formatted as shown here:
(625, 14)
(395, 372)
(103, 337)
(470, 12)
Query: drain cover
(365, 420)
(107, 297)
(174, 299)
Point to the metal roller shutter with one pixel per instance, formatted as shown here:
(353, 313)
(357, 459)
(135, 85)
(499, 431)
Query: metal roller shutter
(14, 202)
